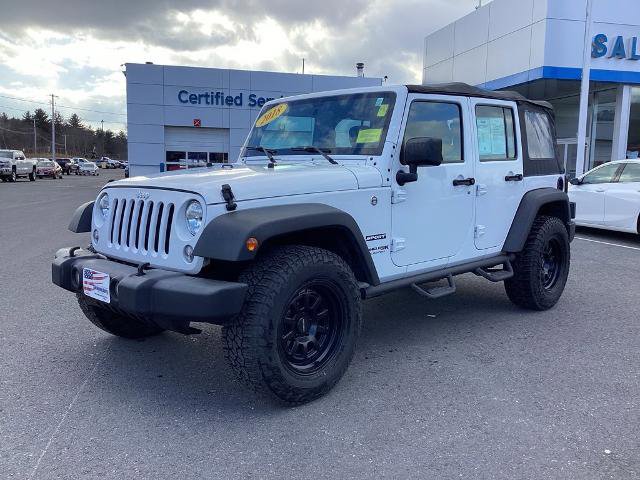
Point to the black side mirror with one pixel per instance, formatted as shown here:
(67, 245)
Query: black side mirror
(575, 181)
(419, 152)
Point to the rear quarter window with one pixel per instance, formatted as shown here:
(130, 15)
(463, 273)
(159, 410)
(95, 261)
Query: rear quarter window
(540, 139)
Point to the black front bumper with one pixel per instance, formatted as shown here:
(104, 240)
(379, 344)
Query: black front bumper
(170, 299)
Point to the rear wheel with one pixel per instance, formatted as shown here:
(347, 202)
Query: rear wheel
(13, 177)
(118, 325)
(542, 268)
(297, 331)
(32, 176)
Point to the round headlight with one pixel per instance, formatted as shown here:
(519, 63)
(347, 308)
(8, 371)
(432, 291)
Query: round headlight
(104, 205)
(193, 216)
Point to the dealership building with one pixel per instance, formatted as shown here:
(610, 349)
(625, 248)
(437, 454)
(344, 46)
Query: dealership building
(536, 47)
(194, 116)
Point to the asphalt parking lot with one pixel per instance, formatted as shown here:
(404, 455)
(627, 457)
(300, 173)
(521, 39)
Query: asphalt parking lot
(467, 386)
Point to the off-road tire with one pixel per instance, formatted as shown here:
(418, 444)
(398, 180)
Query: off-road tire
(118, 325)
(252, 340)
(527, 287)
(32, 176)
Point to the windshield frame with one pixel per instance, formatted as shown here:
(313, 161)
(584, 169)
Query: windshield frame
(390, 98)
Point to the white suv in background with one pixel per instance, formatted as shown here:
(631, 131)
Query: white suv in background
(608, 197)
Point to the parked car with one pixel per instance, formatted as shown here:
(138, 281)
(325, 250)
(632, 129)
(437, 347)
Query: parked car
(88, 168)
(106, 162)
(126, 171)
(282, 247)
(77, 161)
(48, 168)
(608, 197)
(14, 164)
(67, 165)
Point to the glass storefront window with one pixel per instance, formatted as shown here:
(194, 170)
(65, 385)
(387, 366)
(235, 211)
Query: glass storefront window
(633, 145)
(602, 126)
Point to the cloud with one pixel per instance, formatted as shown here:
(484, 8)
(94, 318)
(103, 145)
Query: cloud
(75, 48)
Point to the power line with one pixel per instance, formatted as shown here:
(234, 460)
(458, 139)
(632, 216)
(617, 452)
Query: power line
(63, 106)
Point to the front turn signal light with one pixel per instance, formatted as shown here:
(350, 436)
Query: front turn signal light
(252, 244)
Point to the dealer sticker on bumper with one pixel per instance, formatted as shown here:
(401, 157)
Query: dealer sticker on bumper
(96, 285)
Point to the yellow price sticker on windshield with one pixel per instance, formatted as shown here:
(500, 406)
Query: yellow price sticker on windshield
(370, 135)
(271, 114)
(382, 111)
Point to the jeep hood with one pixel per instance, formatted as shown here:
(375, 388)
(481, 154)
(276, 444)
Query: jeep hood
(250, 182)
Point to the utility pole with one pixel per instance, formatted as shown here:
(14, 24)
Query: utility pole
(584, 93)
(35, 138)
(65, 144)
(303, 66)
(53, 128)
(102, 122)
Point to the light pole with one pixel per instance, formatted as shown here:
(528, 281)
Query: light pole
(53, 128)
(102, 123)
(584, 92)
(35, 138)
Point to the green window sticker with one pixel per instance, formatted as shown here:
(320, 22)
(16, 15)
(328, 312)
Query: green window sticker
(370, 135)
(382, 111)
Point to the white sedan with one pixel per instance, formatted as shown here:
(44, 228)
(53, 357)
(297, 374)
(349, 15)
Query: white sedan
(88, 168)
(609, 197)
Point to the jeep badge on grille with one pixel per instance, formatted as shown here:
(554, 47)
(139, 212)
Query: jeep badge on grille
(142, 195)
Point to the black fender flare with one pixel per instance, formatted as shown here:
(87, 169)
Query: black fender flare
(224, 238)
(81, 220)
(546, 200)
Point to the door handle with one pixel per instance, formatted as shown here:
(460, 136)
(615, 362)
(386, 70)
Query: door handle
(514, 178)
(467, 182)
(600, 191)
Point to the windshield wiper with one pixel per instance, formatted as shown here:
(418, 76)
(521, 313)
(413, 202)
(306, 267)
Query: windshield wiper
(321, 151)
(269, 152)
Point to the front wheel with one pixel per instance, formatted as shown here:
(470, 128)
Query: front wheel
(32, 176)
(297, 331)
(542, 268)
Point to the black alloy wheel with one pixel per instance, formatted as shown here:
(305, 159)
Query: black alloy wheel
(551, 264)
(312, 327)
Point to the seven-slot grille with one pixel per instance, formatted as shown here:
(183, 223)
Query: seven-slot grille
(143, 226)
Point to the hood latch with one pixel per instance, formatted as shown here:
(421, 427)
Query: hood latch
(227, 195)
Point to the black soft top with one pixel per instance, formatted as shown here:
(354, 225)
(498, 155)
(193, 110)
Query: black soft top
(465, 90)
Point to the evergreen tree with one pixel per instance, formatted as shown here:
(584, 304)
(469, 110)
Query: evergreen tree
(42, 119)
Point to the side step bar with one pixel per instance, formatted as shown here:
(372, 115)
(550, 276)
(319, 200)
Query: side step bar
(496, 275)
(437, 292)
(377, 290)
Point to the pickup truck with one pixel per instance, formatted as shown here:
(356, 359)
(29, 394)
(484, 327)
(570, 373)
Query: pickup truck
(14, 164)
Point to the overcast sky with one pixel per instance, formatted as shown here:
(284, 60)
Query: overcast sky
(75, 48)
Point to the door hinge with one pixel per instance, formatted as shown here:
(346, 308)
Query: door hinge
(397, 244)
(481, 189)
(480, 231)
(398, 196)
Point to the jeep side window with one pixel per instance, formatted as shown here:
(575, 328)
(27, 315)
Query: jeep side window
(496, 133)
(437, 120)
(539, 135)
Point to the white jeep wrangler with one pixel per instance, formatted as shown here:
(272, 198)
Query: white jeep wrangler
(337, 197)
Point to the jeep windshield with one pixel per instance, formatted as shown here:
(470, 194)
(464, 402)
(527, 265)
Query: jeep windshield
(351, 124)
